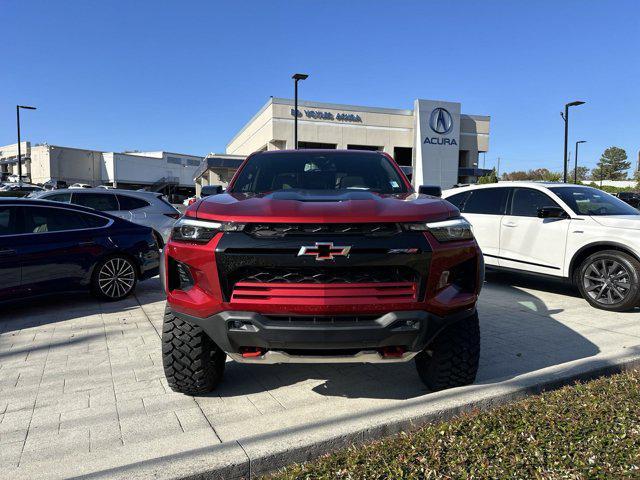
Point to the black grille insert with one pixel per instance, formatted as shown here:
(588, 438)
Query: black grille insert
(277, 230)
(379, 274)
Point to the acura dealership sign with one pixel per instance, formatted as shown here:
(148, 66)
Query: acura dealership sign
(437, 137)
(440, 121)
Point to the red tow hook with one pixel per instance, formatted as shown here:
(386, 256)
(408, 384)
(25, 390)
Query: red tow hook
(252, 352)
(392, 352)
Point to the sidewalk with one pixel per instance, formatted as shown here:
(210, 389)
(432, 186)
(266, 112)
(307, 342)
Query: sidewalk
(82, 390)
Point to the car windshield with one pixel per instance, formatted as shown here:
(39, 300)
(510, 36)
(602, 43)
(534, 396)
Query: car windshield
(267, 172)
(591, 201)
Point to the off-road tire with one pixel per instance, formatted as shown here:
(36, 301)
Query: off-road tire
(632, 279)
(451, 360)
(193, 363)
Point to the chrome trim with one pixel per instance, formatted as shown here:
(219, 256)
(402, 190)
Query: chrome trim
(273, 357)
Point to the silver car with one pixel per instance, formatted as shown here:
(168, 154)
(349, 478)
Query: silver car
(144, 208)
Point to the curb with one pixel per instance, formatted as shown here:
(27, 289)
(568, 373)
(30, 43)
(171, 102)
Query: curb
(251, 456)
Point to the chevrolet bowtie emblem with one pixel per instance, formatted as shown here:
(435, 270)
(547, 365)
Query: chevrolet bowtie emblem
(324, 251)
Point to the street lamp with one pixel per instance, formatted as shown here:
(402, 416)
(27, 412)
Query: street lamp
(565, 117)
(18, 107)
(575, 168)
(296, 78)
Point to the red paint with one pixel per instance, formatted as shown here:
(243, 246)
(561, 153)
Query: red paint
(323, 294)
(205, 298)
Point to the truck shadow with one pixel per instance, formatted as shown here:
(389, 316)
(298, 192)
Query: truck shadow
(519, 335)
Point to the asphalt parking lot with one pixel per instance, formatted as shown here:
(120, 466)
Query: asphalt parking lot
(82, 389)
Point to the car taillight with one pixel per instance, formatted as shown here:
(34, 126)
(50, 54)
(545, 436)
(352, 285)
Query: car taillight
(173, 215)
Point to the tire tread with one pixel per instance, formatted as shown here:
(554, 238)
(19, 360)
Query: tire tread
(193, 363)
(455, 356)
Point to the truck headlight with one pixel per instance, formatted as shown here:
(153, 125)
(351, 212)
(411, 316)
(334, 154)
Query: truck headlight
(447, 231)
(188, 229)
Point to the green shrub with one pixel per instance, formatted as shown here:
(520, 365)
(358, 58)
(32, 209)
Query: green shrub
(588, 430)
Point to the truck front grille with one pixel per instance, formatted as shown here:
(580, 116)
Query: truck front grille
(323, 294)
(278, 230)
(325, 275)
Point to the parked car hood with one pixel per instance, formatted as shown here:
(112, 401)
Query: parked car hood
(311, 206)
(631, 222)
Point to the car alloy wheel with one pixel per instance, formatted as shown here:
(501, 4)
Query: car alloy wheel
(607, 281)
(116, 278)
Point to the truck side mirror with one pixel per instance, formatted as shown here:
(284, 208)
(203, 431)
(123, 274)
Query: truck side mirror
(210, 190)
(433, 190)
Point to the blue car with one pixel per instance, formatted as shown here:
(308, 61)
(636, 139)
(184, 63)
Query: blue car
(49, 247)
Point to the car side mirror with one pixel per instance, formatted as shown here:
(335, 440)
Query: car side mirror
(433, 190)
(210, 190)
(552, 212)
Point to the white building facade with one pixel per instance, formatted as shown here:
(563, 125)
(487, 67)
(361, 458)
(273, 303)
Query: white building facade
(41, 163)
(442, 144)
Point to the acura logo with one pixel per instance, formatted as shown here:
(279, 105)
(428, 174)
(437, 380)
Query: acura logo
(324, 251)
(441, 121)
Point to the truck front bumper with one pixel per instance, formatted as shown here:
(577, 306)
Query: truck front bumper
(392, 337)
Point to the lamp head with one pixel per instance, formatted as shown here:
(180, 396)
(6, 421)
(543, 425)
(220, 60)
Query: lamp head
(575, 104)
(300, 76)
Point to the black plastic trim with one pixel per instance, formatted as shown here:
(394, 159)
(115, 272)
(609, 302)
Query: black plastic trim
(376, 333)
(522, 261)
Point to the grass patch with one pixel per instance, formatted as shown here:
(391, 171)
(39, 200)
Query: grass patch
(586, 430)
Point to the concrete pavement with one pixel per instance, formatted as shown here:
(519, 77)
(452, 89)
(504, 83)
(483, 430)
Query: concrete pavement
(82, 390)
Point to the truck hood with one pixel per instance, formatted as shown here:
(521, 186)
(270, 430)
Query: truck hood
(312, 206)
(630, 222)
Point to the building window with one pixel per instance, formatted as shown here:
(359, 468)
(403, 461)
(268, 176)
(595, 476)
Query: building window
(364, 147)
(192, 162)
(174, 160)
(463, 159)
(403, 155)
(307, 145)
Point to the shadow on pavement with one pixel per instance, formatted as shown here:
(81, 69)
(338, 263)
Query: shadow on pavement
(543, 284)
(519, 335)
(44, 310)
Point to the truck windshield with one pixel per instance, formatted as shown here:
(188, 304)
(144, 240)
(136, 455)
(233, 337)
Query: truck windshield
(269, 172)
(591, 201)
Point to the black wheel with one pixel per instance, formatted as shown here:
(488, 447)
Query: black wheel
(159, 240)
(193, 363)
(114, 278)
(451, 360)
(610, 280)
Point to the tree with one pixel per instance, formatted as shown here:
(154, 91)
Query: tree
(583, 173)
(490, 178)
(515, 176)
(637, 178)
(539, 174)
(612, 165)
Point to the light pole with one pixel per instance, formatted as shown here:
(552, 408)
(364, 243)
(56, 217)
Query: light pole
(565, 117)
(575, 168)
(296, 78)
(18, 107)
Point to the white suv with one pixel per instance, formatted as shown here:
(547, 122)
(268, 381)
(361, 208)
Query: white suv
(563, 230)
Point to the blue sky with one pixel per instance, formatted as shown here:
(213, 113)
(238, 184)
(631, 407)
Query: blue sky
(186, 75)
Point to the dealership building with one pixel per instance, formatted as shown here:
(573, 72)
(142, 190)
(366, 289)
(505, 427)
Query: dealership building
(440, 143)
